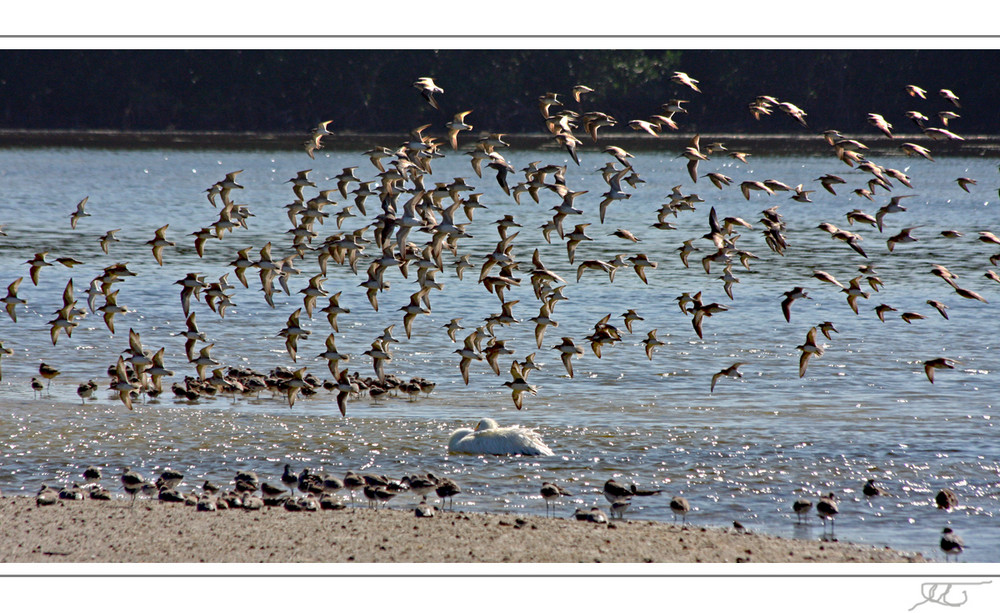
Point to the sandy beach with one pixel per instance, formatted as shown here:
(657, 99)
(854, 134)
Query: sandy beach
(115, 531)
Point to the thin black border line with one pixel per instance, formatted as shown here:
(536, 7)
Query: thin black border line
(497, 576)
(515, 36)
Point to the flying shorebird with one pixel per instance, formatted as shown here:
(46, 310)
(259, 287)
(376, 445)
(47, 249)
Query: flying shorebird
(931, 365)
(915, 149)
(345, 387)
(729, 371)
(456, 125)
(579, 90)
(965, 182)
(568, 351)
(36, 264)
(881, 310)
(880, 123)
(79, 213)
(827, 278)
(854, 292)
(718, 179)
(902, 237)
(159, 242)
(808, 349)
(108, 238)
(300, 181)
(802, 195)
(791, 296)
(683, 79)
(519, 386)
(747, 186)
(542, 321)
(950, 96)
(11, 300)
(468, 353)
(121, 384)
(828, 181)
(332, 356)
(651, 343)
(427, 89)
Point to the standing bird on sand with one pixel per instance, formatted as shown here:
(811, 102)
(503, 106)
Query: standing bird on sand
(92, 475)
(827, 509)
(550, 493)
(86, 390)
(447, 488)
(951, 544)
(48, 372)
(489, 438)
(427, 89)
(36, 387)
(619, 493)
(132, 482)
(680, 506)
(290, 479)
(801, 508)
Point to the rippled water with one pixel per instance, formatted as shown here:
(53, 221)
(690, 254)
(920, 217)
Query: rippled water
(745, 452)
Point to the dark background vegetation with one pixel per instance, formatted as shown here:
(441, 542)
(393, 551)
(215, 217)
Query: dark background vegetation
(370, 91)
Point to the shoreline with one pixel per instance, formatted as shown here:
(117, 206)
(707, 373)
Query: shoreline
(114, 531)
(809, 143)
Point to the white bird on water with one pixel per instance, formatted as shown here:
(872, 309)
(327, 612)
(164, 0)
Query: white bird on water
(492, 439)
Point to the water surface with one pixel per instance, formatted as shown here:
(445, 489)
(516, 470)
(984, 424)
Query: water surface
(744, 452)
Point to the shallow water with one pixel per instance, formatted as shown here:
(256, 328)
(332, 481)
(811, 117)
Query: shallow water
(744, 452)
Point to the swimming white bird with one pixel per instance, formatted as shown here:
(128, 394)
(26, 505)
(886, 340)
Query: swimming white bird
(492, 439)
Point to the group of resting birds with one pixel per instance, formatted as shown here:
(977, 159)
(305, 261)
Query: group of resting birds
(320, 490)
(315, 490)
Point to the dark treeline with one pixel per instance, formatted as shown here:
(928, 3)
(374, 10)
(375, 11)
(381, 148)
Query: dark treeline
(370, 91)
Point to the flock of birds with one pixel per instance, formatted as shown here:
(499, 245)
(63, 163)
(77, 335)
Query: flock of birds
(410, 202)
(321, 490)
